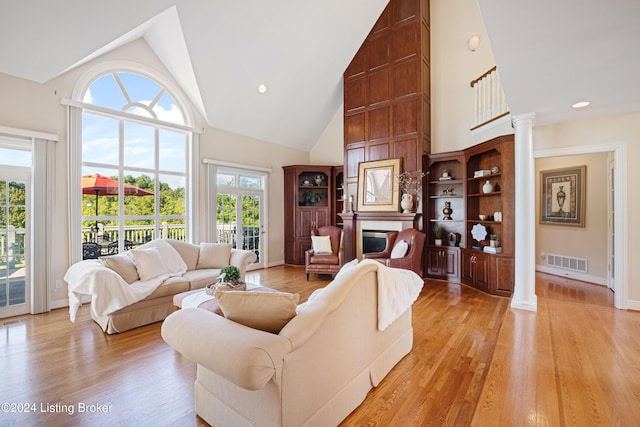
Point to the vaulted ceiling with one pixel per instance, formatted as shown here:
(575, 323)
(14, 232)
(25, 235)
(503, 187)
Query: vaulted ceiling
(549, 53)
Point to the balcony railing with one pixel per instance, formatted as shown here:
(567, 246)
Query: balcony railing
(134, 233)
(490, 103)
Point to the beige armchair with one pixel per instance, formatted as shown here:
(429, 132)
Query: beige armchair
(411, 259)
(326, 262)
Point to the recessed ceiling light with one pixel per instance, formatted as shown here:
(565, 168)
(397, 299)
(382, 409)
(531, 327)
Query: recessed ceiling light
(581, 104)
(262, 88)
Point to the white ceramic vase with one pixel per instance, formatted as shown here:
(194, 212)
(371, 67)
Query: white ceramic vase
(487, 187)
(406, 203)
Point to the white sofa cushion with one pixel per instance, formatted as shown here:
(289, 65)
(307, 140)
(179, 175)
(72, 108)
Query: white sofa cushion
(214, 255)
(123, 265)
(157, 260)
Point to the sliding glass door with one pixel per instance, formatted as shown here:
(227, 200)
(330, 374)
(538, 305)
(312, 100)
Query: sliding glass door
(240, 212)
(14, 241)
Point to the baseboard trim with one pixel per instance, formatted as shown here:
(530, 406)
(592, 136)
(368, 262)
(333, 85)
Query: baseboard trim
(602, 281)
(633, 305)
(275, 263)
(525, 305)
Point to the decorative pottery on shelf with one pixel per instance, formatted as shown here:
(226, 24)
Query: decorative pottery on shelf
(319, 180)
(487, 187)
(447, 211)
(407, 203)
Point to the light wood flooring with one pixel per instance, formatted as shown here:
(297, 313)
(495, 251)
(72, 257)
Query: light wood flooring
(576, 362)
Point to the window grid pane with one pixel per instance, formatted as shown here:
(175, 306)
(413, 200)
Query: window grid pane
(151, 171)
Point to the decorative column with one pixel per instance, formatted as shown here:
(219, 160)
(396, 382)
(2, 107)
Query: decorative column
(524, 293)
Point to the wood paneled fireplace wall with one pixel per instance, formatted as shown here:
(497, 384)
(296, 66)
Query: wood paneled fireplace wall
(387, 93)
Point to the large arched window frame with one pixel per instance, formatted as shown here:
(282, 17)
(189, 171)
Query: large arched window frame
(130, 115)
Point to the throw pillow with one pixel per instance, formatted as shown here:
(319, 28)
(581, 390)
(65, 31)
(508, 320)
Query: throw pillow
(214, 255)
(123, 265)
(157, 260)
(321, 244)
(267, 311)
(400, 249)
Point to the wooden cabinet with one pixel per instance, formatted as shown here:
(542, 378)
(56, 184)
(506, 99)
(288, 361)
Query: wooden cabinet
(309, 197)
(443, 263)
(471, 206)
(444, 209)
(490, 206)
(475, 269)
(339, 194)
(488, 272)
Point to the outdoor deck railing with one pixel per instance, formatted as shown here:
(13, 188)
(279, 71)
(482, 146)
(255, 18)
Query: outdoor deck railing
(134, 233)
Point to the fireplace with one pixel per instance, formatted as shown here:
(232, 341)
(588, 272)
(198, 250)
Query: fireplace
(372, 226)
(373, 241)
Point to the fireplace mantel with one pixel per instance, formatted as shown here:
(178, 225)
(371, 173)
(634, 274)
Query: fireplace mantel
(353, 221)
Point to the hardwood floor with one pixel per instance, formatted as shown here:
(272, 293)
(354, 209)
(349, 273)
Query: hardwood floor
(475, 361)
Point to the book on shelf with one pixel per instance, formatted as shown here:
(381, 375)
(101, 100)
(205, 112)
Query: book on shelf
(482, 172)
(491, 250)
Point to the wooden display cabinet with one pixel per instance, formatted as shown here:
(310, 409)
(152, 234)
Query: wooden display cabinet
(339, 193)
(493, 208)
(464, 258)
(309, 203)
(445, 188)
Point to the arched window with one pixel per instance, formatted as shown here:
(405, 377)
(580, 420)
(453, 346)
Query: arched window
(136, 148)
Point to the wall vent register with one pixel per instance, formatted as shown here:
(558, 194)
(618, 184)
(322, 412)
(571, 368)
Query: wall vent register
(567, 263)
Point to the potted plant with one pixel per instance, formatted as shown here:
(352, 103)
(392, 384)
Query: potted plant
(437, 234)
(312, 197)
(228, 280)
(493, 241)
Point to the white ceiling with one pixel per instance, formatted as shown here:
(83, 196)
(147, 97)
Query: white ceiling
(549, 53)
(219, 51)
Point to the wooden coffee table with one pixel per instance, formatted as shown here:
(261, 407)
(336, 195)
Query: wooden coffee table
(208, 302)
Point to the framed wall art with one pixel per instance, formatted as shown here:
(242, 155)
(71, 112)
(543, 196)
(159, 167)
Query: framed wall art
(378, 185)
(562, 197)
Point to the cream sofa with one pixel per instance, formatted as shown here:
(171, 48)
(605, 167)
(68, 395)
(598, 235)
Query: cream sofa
(119, 272)
(315, 372)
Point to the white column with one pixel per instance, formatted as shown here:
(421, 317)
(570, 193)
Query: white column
(524, 293)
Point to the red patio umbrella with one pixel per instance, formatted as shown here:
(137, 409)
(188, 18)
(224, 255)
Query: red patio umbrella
(101, 185)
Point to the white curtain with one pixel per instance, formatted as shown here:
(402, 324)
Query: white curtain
(43, 176)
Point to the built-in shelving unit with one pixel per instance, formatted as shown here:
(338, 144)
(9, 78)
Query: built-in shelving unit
(445, 190)
(490, 208)
(339, 199)
(309, 203)
(488, 211)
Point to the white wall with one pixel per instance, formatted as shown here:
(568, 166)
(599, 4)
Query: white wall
(588, 242)
(34, 106)
(623, 130)
(453, 67)
(329, 149)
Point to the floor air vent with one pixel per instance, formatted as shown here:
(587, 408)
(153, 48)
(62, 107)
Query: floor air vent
(568, 263)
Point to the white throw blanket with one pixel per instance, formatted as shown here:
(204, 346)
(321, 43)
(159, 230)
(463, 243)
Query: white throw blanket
(397, 291)
(195, 299)
(109, 291)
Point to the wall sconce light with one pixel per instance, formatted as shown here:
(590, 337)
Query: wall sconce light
(473, 42)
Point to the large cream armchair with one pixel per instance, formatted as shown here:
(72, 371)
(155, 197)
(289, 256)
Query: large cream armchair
(315, 372)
